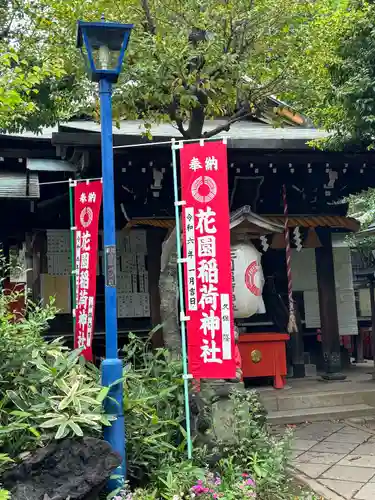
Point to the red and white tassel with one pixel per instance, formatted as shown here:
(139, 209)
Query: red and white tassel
(292, 325)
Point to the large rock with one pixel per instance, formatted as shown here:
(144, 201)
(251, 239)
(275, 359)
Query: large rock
(212, 413)
(75, 469)
(222, 407)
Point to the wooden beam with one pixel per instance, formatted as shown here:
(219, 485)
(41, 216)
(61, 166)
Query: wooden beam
(328, 307)
(92, 139)
(28, 153)
(76, 139)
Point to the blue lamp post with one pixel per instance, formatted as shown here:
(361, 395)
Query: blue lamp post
(103, 45)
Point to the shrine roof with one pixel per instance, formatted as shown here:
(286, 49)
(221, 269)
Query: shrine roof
(245, 134)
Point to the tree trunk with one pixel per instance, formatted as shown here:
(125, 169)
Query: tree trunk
(168, 288)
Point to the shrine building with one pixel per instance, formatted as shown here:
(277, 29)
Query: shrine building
(35, 227)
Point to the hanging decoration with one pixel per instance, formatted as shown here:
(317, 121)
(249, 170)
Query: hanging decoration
(264, 243)
(208, 282)
(247, 280)
(292, 325)
(87, 202)
(297, 238)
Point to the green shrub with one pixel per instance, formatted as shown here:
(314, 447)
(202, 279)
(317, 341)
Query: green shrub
(154, 409)
(176, 477)
(156, 449)
(255, 450)
(46, 390)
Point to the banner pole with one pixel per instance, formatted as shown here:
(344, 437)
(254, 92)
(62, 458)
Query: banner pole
(182, 307)
(72, 248)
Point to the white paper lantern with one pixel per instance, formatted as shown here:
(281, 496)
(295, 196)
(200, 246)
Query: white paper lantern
(247, 280)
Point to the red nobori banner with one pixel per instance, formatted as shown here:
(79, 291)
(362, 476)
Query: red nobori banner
(208, 279)
(87, 202)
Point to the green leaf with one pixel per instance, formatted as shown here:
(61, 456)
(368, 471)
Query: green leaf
(75, 428)
(61, 431)
(34, 432)
(54, 422)
(258, 471)
(105, 420)
(17, 400)
(89, 420)
(102, 394)
(4, 458)
(18, 413)
(69, 398)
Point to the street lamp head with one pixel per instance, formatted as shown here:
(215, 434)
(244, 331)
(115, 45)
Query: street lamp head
(103, 45)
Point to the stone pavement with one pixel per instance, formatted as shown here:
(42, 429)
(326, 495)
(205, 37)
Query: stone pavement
(339, 456)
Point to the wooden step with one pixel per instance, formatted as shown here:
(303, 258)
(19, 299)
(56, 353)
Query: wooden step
(298, 416)
(283, 401)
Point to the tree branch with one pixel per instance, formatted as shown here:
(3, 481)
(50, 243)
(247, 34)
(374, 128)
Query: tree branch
(180, 126)
(240, 115)
(6, 29)
(179, 122)
(198, 114)
(151, 26)
(230, 34)
(265, 90)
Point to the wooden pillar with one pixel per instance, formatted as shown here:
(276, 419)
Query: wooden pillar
(359, 344)
(33, 244)
(297, 345)
(155, 238)
(328, 308)
(29, 264)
